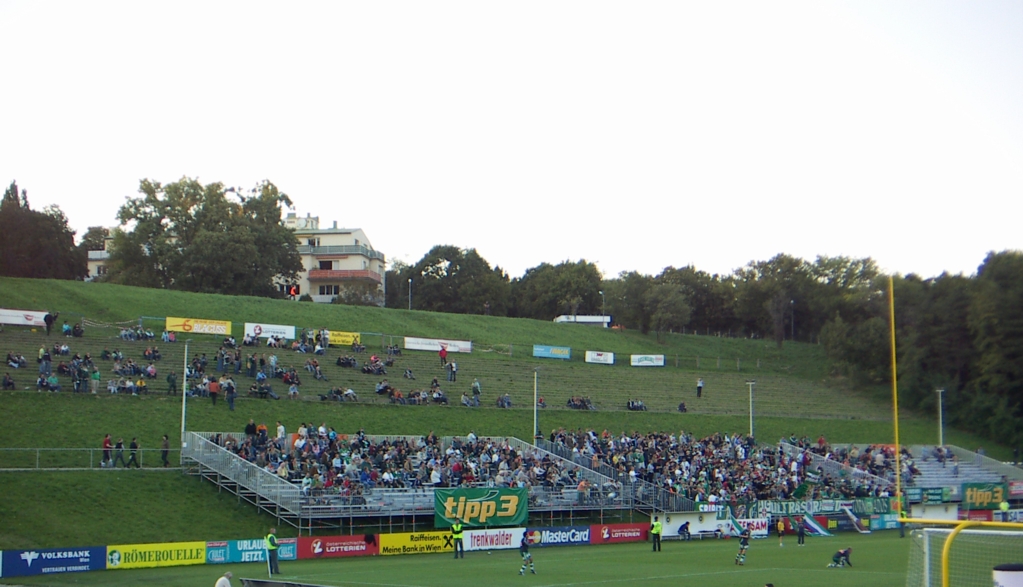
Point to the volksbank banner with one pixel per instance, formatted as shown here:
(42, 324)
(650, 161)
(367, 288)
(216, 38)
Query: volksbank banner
(647, 360)
(559, 536)
(480, 507)
(552, 352)
(166, 554)
(600, 358)
(248, 551)
(46, 561)
(498, 539)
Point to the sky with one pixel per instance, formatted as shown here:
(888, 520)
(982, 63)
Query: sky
(633, 135)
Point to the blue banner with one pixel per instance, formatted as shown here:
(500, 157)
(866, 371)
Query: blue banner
(552, 352)
(558, 536)
(19, 563)
(248, 551)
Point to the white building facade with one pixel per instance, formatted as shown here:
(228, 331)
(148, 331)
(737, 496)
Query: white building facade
(335, 259)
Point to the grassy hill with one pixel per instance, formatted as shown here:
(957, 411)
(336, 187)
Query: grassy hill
(793, 395)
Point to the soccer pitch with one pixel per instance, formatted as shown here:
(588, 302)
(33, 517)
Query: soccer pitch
(879, 560)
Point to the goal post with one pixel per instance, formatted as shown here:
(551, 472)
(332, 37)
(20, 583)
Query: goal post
(963, 554)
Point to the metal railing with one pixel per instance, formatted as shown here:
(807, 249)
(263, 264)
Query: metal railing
(640, 492)
(834, 468)
(340, 250)
(81, 459)
(199, 448)
(968, 456)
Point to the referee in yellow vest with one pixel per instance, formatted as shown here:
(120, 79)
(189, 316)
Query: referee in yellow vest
(655, 534)
(271, 552)
(456, 533)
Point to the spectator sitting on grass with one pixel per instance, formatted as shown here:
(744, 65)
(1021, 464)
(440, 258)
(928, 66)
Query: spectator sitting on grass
(465, 400)
(439, 397)
(8, 382)
(52, 383)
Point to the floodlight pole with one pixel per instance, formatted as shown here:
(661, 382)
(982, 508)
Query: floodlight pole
(536, 414)
(410, 293)
(602, 300)
(941, 423)
(184, 391)
(751, 383)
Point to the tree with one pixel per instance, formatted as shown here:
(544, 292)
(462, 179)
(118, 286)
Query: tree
(547, 291)
(192, 237)
(450, 279)
(668, 308)
(359, 294)
(37, 244)
(95, 238)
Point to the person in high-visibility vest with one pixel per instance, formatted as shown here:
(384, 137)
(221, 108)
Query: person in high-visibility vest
(655, 534)
(456, 533)
(1004, 507)
(271, 552)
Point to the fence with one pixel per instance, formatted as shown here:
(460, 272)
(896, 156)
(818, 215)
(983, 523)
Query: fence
(1010, 472)
(640, 492)
(80, 459)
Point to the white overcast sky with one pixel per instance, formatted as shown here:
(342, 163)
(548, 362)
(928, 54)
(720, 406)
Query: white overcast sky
(636, 135)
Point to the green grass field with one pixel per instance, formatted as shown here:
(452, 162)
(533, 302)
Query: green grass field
(879, 561)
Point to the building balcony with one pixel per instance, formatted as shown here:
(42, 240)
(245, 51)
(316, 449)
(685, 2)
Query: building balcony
(341, 250)
(345, 275)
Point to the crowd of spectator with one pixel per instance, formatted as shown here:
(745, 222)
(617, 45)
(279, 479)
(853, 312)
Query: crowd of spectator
(327, 464)
(722, 467)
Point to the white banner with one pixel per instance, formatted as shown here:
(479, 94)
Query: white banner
(497, 539)
(435, 344)
(22, 317)
(647, 360)
(759, 527)
(268, 330)
(599, 357)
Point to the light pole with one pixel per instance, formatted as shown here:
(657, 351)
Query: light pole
(184, 391)
(751, 383)
(792, 304)
(410, 293)
(941, 423)
(536, 414)
(602, 300)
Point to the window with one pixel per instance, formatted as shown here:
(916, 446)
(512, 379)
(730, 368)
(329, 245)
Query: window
(313, 242)
(101, 270)
(326, 264)
(330, 290)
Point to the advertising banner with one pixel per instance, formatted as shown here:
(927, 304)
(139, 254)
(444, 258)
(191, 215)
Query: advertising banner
(758, 527)
(342, 338)
(337, 546)
(416, 543)
(435, 344)
(928, 494)
(268, 330)
(1015, 488)
(480, 507)
(883, 522)
(544, 351)
(217, 553)
(196, 326)
(160, 554)
(976, 515)
(45, 561)
(559, 536)
(612, 533)
(600, 358)
(497, 539)
(984, 496)
(22, 318)
(647, 360)
(861, 507)
(287, 549)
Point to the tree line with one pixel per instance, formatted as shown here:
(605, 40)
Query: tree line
(963, 334)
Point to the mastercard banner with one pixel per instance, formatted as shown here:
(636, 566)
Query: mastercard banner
(197, 326)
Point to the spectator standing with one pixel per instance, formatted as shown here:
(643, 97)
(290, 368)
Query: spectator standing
(94, 379)
(214, 390)
(271, 551)
(172, 383)
(454, 371)
(165, 451)
(699, 387)
(133, 454)
(443, 354)
(477, 390)
(107, 445)
(119, 453)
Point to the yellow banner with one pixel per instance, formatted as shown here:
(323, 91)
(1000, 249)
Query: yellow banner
(416, 543)
(196, 326)
(338, 338)
(164, 554)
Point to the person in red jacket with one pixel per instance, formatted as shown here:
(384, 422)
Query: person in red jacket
(443, 354)
(107, 446)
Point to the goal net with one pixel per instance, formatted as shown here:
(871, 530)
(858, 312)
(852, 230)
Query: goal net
(974, 554)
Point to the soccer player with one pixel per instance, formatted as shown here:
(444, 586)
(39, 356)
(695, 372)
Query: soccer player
(841, 558)
(740, 558)
(526, 557)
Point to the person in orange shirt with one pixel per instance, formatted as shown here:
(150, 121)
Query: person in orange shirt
(214, 390)
(261, 430)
